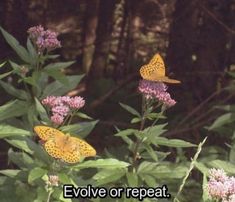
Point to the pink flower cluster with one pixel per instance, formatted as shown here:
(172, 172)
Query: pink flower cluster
(156, 90)
(62, 105)
(44, 39)
(220, 186)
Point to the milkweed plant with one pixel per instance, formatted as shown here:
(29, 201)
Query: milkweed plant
(37, 88)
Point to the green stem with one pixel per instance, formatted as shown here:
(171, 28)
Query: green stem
(49, 195)
(155, 121)
(138, 141)
(71, 118)
(145, 105)
(68, 119)
(28, 91)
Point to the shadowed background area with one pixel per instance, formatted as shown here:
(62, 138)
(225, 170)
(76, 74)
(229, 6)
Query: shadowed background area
(111, 39)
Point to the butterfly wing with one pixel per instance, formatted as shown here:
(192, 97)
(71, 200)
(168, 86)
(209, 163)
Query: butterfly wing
(76, 148)
(59, 145)
(155, 71)
(168, 80)
(63, 147)
(71, 156)
(45, 132)
(52, 148)
(164, 79)
(158, 64)
(85, 149)
(155, 67)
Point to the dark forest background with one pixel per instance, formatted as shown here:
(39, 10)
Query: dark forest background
(111, 39)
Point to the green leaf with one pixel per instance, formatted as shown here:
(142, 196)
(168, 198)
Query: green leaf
(232, 152)
(231, 74)
(153, 115)
(53, 56)
(129, 142)
(58, 65)
(126, 132)
(61, 197)
(13, 109)
(24, 192)
(1, 65)
(135, 120)
(205, 195)
(22, 160)
(160, 156)
(41, 194)
(161, 171)
(39, 152)
(132, 179)
(151, 152)
(17, 69)
(20, 142)
(32, 52)
(172, 142)
(57, 88)
(228, 108)
(42, 111)
(5, 74)
(201, 167)
(130, 109)
(106, 176)
(32, 115)
(57, 75)
(30, 80)
(10, 172)
(150, 180)
(83, 116)
(64, 178)
(15, 66)
(222, 120)
(226, 166)
(153, 131)
(82, 129)
(35, 174)
(103, 163)
(20, 50)
(8, 131)
(21, 94)
(42, 82)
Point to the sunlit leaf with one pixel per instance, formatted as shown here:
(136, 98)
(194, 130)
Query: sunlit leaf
(172, 142)
(102, 163)
(81, 129)
(36, 173)
(8, 131)
(107, 176)
(13, 109)
(226, 166)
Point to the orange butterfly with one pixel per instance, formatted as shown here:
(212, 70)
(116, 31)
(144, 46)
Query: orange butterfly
(62, 146)
(155, 71)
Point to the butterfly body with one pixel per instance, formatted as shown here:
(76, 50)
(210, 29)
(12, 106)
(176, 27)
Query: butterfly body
(155, 71)
(63, 146)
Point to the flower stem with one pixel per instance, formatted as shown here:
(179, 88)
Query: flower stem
(71, 117)
(138, 141)
(49, 195)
